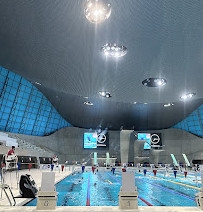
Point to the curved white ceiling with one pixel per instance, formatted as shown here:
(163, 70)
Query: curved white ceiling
(52, 42)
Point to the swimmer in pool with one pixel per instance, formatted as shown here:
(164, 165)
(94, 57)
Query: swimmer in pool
(95, 184)
(109, 181)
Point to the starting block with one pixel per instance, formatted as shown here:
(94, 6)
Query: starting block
(128, 192)
(47, 196)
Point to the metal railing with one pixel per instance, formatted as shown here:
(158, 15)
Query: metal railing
(11, 198)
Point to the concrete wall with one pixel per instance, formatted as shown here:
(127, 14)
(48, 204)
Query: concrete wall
(177, 141)
(124, 145)
(67, 143)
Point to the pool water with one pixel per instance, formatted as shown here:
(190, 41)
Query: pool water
(102, 188)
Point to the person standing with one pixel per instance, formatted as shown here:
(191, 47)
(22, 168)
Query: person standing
(11, 151)
(83, 168)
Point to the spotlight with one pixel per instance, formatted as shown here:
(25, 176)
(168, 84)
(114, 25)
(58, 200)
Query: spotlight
(154, 82)
(168, 105)
(38, 83)
(160, 82)
(105, 94)
(113, 50)
(102, 93)
(97, 11)
(187, 96)
(88, 103)
(106, 53)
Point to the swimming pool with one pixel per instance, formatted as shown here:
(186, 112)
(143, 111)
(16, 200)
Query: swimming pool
(102, 188)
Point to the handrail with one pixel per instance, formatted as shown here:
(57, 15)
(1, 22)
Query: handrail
(88, 158)
(4, 187)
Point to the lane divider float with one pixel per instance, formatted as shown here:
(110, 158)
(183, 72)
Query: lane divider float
(88, 192)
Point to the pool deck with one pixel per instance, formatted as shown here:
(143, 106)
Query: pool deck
(103, 208)
(36, 174)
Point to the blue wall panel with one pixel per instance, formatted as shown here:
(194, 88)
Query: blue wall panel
(24, 109)
(193, 123)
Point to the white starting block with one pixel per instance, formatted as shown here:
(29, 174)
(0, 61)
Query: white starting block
(46, 196)
(128, 192)
(199, 197)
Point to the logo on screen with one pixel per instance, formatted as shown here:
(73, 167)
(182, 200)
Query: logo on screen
(155, 139)
(101, 138)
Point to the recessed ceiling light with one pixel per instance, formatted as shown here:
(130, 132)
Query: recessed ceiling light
(38, 83)
(105, 94)
(154, 82)
(145, 103)
(97, 11)
(135, 103)
(102, 93)
(113, 50)
(187, 96)
(88, 103)
(168, 105)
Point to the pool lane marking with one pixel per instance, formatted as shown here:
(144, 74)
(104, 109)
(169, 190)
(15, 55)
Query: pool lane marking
(88, 192)
(180, 174)
(170, 174)
(183, 177)
(175, 182)
(178, 178)
(145, 201)
(172, 191)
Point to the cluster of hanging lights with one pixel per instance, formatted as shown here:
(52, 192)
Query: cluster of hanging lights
(114, 50)
(97, 11)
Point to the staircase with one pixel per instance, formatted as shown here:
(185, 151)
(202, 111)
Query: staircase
(31, 149)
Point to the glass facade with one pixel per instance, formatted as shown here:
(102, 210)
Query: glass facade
(24, 109)
(193, 123)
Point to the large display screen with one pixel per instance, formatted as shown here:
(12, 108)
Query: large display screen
(147, 137)
(93, 140)
(90, 140)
